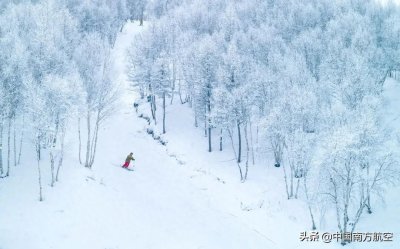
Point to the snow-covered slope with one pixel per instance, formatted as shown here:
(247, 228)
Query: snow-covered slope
(177, 197)
(155, 206)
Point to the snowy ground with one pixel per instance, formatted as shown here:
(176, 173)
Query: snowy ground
(177, 197)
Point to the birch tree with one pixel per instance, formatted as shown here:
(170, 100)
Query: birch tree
(94, 65)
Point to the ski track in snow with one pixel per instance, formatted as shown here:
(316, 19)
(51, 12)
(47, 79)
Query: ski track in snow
(161, 204)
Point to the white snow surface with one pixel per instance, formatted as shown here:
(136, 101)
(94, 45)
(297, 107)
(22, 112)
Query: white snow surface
(178, 196)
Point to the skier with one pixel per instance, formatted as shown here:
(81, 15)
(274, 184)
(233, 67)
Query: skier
(128, 159)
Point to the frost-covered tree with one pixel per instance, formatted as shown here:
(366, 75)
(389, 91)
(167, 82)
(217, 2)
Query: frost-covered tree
(296, 71)
(102, 16)
(61, 98)
(42, 79)
(160, 83)
(356, 164)
(136, 9)
(149, 67)
(207, 66)
(12, 76)
(94, 65)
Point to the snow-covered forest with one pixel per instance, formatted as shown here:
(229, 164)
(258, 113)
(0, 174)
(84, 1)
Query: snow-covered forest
(300, 79)
(302, 93)
(55, 73)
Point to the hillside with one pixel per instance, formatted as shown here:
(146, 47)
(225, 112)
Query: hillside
(178, 196)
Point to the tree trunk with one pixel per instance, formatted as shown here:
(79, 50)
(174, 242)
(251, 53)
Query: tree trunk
(94, 146)
(38, 146)
(52, 169)
(39, 180)
(141, 17)
(220, 140)
(286, 183)
(80, 140)
(39, 152)
(297, 188)
(209, 138)
(164, 113)
(291, 180)
(345, 222)
(251, 143)
(21, 139)
(15, 144)
(88, 145)
(209, 120)
(60, 160)
(239, 159)
(8, 146)
(346, 204)
(234, 152)
(368, 202)
(1, 147)
(247, 152)
(153, 108)
(358, 213)
(257, 132)
(173, 81)
(205, 123)
(336, 201)
(94, 141)
(309, 202)
(56, 132)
